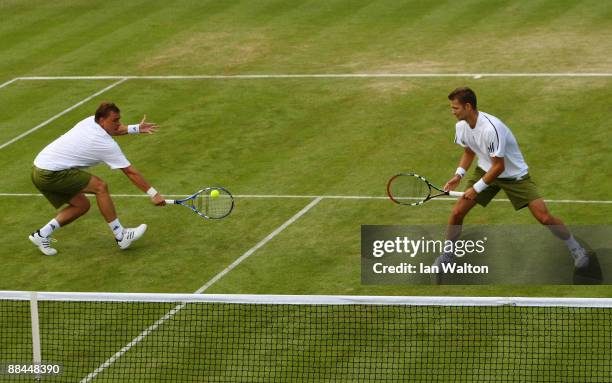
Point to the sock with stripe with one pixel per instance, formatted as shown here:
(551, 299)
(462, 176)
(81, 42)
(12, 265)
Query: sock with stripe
(49, 228)
(117, 229)
(571, 243)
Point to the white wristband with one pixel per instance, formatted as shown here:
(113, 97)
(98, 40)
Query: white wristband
(460, 172)
(152, 192)
(134, 129)
(480, 186)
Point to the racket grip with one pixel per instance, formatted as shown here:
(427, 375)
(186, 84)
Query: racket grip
(170, 201)
(450, 193)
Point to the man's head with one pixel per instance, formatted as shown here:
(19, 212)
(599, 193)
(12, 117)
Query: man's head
(463, 102)
(108, 116)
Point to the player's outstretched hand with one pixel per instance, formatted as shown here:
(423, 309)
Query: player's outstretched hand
(147, 127)
(452, 183)
(158, 200)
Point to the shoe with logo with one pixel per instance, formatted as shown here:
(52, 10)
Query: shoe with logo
(130, 235)
(581, 258)
(43, 243)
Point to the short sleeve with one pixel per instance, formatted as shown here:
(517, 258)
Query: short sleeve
(459, 136)
(110, 153)
(495, 141)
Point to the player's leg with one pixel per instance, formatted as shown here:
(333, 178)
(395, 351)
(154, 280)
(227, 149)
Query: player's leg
(461, 209)
(77, 206)
(524, 193)
(124, 236)
(99, 188)
(463, 206)
(540, 211)
(455, 220)
(60, 188)
(453, 230)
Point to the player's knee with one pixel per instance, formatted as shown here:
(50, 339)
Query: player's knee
(546, 219)
(81, 204)
(85, 206)
(458, 213)
(99, 186)
(104, 187)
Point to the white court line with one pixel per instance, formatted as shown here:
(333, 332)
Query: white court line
(320, 75)
(42, 124)
(211, 282)
(8, 82)
(290, 196)
(260, 244)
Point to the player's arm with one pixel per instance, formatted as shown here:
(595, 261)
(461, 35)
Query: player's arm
(464, 164)
(143, 127)
(466, 159)
(497, 168)
(138, 180)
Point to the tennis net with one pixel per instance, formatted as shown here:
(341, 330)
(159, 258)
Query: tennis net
(280, 338)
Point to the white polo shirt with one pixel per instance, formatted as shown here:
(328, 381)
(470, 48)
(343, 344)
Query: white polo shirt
(84, 146)
(492, 138)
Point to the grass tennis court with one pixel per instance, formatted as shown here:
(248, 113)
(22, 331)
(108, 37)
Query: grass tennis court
(292, 139)
(288, 137)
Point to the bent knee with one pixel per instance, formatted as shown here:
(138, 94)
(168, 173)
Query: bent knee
(81, 202)
(458, 212)
(98, 186)
(546, 219)
(85, 205)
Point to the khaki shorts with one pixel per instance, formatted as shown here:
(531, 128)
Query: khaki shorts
(520, 193)
(60, 186)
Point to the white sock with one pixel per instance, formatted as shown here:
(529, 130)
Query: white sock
(49, 228)
(571, 243)
(117, 229)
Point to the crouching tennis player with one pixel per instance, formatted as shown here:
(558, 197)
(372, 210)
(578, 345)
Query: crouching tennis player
(58, 174)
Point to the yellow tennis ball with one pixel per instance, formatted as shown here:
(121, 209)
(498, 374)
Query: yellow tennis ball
(214, 194)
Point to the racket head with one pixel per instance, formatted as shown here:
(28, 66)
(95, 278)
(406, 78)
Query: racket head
(408, 189)
(212, 202)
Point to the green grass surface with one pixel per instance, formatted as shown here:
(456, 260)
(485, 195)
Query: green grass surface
(215, 37)
(309, 136)
(289, 136)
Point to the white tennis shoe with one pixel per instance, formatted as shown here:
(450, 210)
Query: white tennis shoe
(43, 244)
(130, 235)
(581, 259)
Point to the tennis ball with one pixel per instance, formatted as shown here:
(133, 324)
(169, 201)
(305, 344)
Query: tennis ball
(214, 194)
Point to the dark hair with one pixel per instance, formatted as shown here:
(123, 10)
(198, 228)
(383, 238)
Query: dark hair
(465, 96)
(104, 110)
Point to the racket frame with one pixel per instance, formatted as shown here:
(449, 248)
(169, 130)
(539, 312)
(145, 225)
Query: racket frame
(194, 196)
(429, 196)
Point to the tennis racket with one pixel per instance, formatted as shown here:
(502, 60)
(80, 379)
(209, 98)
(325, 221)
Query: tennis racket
(209, 203)
(412, 189)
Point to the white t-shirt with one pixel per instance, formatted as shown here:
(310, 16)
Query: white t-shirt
(84, 146)
(492, 138)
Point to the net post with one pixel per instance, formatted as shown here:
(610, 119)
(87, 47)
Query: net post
(36, 353)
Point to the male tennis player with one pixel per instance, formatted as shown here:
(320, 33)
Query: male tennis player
(500, 167)
(58, 174)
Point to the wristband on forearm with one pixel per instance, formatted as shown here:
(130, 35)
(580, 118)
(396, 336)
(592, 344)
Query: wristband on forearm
(152, 192)
(460, 172)
(480, 186)
(133, 129)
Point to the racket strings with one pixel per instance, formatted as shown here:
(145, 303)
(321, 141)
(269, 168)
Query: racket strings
(409, 189)
(215, 207)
